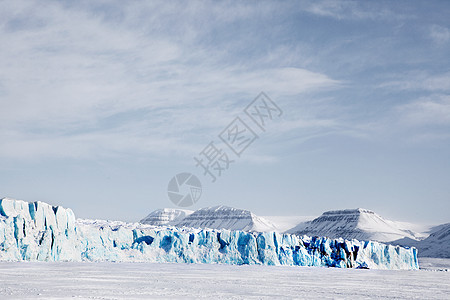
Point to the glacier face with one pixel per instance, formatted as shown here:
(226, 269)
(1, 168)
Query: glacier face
(37, 231)
(41, 232)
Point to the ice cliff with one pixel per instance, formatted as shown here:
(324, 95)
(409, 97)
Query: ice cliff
(37, 231)
(41, 232)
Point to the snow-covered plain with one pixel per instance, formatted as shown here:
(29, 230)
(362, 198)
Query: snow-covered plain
(84, 280)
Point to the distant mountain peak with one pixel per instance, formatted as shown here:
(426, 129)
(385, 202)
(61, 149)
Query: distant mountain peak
(359, 223)
(225, 217)
(348, 211)
(166, 216)
(216, 217)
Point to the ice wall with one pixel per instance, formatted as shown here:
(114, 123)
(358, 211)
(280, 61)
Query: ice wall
(38, 231)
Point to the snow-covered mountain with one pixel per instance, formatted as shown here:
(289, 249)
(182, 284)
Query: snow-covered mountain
(284, 223)
(363, 224)
(437, 244)
(358, 223)
(224, 217)
(166, 216)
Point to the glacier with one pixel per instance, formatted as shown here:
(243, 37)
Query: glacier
(41, 232)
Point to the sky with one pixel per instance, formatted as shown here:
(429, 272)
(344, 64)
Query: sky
(103, 102)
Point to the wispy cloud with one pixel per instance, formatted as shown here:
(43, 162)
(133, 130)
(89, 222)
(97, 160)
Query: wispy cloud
(433, 110)
(439, 34)
(137, 88)
(345, 9)
(83, 78)
(419, 80)
(76, 82)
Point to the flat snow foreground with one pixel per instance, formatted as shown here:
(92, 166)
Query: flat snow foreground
(106, 280)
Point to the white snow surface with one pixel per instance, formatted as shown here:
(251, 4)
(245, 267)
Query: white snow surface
(196, 281)
(435, 264)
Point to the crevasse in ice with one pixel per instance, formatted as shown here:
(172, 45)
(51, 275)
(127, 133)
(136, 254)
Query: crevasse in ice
(41, 232)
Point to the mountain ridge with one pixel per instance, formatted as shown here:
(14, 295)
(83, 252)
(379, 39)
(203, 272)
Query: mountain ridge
(437, 244)
(359, 223)
(166, 216)
(225, 217)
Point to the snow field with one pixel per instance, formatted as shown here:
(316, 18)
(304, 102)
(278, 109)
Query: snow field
(75, 280)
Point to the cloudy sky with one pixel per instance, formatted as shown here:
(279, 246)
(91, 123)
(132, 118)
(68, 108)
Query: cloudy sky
(103, 102)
